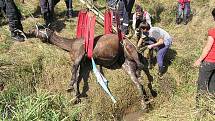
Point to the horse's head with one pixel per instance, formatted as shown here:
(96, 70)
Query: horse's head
(43, 34)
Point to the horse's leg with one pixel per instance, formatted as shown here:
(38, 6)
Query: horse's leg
(75, 73)
(101, 70)
(84, 74)
(150, 58)
(131, 53)
(130, 68)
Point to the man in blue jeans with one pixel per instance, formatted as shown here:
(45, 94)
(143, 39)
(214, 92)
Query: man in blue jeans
(163, 42)
(14, 19)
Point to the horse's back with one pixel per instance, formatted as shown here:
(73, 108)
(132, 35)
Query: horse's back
(107, 47)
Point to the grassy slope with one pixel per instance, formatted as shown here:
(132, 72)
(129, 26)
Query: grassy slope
(34, 70)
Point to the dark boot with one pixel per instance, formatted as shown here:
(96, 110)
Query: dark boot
(17, 36)
(185, 20)
(160, 71)
(47, 19)
(69, 13)
(178, 21)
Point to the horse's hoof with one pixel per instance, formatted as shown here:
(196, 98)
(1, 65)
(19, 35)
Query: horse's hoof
(78, 100)
(84, 95)
(143, 105)
(70, 89)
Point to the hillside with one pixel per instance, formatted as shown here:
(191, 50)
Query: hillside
(36, 75)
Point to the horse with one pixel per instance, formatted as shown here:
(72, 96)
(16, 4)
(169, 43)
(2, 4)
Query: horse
(108, 52)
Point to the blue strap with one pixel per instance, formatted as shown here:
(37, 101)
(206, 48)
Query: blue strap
(102, 81)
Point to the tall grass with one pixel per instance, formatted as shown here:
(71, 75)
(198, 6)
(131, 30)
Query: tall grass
(40, 106)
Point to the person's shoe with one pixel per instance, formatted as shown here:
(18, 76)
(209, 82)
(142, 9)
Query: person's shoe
(47, 18)
(185, 20)
(177, 21)
(69, 13)
(161, 71)
(17, 37)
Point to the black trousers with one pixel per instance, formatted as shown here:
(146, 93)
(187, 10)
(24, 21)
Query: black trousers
(206, 80)
(13, 14)
(125, 8)
(48, 5)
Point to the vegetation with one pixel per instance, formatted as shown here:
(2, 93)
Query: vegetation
(36, 74)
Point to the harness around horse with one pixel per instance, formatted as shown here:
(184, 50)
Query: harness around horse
(85, 29)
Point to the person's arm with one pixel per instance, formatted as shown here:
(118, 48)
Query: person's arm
(205, 51)
(134, 21)
(159, 42)
(148, 19)
(140, 42)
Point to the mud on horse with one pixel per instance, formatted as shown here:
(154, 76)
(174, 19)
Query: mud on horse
(108, 52)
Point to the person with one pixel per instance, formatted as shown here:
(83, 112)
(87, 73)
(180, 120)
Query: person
(183, 8)
(14, 18)
(47, 9)
(163, 42)
(206, 62)
(69, 12)
(140, 16)
(124, 9)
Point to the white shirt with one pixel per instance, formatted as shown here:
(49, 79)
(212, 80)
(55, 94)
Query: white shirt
(146, 16)
(158, 33)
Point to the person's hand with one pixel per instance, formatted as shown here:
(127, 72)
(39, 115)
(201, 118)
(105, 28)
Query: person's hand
(197, 63)
(150, 46)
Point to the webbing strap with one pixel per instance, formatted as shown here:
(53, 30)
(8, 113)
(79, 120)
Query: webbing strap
(102, 81)
(81, 25)
(108, 22)
(89, 33)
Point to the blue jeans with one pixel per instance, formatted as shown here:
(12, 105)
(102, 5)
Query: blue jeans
(183, 8)
(162, 49)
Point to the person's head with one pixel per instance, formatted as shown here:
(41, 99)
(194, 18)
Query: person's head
(144, 26)
(213, 13)
(138, 10)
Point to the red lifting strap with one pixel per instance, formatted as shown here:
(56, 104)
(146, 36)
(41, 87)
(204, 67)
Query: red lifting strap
(89, 33)
(81, 25)
(108, 22)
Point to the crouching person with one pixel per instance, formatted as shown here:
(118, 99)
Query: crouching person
(163, 42)
(140, 16)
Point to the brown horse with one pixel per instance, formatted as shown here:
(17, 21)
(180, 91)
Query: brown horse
(108, 52)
